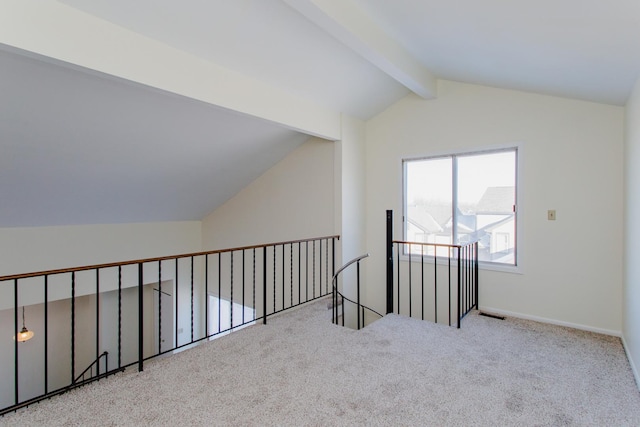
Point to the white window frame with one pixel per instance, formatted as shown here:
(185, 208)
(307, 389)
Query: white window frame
(486, 265)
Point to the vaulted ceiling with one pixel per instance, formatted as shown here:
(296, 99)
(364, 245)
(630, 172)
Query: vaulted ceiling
(156, 110)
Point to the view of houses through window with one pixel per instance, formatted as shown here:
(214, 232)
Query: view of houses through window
(463, 198)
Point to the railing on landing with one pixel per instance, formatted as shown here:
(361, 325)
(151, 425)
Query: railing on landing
(339, 300)
(141, 309)
(431, 264)
(89, 373)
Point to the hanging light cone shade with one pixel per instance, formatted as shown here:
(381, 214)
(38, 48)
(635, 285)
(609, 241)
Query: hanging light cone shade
(24, 334)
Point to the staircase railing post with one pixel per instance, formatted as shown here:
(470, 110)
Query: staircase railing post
(140, 319)
(389, 261)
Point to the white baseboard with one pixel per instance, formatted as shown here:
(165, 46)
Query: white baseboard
(551, 321)
(630, 359)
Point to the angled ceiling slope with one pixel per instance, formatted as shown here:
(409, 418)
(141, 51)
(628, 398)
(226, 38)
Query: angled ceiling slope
(79, 147)
(265, 39)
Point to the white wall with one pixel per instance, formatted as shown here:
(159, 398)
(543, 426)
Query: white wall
(42, 248)
(350, 212)
(353, 188)
(293, 200)
(571, 161)
(24, 250)
(631, 309)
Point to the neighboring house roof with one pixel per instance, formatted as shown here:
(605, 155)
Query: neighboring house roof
(496, 201)
(422, 218)
(490, 227)
(466, 223)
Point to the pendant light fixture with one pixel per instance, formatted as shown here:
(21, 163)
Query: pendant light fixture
(24, 334)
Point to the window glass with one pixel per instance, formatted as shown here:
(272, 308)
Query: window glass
(463, 198)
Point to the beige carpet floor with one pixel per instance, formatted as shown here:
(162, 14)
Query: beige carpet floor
(301, 370)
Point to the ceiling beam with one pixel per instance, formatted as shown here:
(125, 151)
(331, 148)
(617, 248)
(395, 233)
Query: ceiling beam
(54, 30)
(346, 22)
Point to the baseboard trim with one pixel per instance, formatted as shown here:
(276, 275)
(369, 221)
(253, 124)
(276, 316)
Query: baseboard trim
(552, 321)
(630, 359)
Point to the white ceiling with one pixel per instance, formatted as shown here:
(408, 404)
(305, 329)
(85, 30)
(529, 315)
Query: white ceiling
(265, 39)
(584, 49)
(81, 147)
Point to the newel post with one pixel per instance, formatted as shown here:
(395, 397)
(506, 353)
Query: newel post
(389, 243)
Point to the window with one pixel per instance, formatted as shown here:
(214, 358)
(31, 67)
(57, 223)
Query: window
(461, 198)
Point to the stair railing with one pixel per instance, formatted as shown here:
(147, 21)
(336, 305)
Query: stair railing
(141, 309)
(338, 298)
(89, 370)
(453, 280)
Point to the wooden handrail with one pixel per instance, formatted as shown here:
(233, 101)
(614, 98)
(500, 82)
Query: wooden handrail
(163, 258)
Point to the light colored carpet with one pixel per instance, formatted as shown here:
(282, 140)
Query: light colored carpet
(301, 370)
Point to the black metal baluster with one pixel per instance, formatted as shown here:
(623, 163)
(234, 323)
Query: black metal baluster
(306, 271)
(435, 282)
(466, 279)
(73, 326)
(97, 319)
(192, 324)
(422, 279)
(291, 271)
(206, 298)
(274, 278)
(177, 305)
(314, 268)
(15, 341)
(469, 272)
(469, 296)
(283, 304)
(254, 284)
(326, 267)
(299, 272)
(410, 290)
(264, 285)
(449, 277)
(219, 291)
(459, 285)
(358, 291)
(46, 334)
(231, 295)
(159, 307)
(477, 278)
(333, 256)
(140, 318)
(119, 316)
(243, 291)
(320, 269)
(398, 250)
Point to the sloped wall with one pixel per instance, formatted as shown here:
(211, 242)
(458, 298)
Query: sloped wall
(292, 200)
